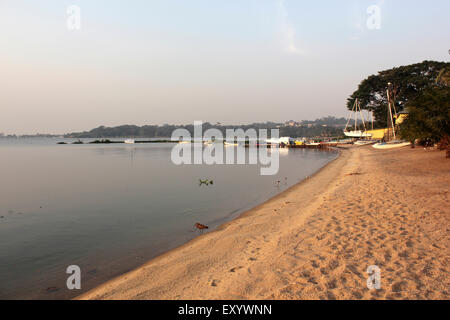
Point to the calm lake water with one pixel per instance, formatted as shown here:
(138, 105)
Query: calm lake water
(110, 208)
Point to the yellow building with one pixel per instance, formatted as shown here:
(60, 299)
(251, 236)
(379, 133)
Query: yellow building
(381, 133)
(378, 134)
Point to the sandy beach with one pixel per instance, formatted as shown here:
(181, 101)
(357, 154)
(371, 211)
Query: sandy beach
(315, 241)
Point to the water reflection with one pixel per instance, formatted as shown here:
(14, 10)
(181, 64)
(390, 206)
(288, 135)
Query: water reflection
(109, 208)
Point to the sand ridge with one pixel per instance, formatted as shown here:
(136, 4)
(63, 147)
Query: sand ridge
(316, 240)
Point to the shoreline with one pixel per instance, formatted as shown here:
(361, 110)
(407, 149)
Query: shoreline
(312, 241)
(247, 213)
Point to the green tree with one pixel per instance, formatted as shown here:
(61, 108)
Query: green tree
(409, 82)
(429, 116)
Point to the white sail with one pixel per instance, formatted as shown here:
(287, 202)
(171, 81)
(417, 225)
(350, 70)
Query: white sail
(357, 134)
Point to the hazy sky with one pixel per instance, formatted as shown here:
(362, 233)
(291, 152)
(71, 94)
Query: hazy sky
(233, 61)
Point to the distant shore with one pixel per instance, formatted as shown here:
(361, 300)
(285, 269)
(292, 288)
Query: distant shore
(317, 239)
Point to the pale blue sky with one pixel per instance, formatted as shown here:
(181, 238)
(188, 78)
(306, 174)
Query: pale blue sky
(152, 62)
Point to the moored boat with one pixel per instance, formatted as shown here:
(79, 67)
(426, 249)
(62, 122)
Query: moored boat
(391, 145)
(391, 139)
(365, 142)
(356, 132)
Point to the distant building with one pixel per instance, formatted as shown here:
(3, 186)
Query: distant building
(378, 133)
(290, 123)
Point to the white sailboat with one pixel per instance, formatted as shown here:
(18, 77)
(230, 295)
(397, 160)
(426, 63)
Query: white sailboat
(391, 145)
(391, 140)
(356, 133)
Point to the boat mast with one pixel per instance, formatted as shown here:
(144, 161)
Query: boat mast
(390, 117)
(371, 116)
(362, 117)
(350, 115)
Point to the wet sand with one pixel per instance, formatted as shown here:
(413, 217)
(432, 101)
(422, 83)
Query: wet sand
(316, 240)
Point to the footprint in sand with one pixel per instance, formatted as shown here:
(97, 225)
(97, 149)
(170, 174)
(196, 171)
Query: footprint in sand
(214, 283)
(399, 286)
(255, 250)
(382, 237)
(332, 284)
(321, 237)
(305, 274)
(331, 296)
(321, 258)
(333, 265)
(323, 271)
(355, 271)
(428, 270)
(236, 268)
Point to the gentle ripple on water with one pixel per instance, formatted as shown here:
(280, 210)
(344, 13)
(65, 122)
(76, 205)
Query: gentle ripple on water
(110, 208)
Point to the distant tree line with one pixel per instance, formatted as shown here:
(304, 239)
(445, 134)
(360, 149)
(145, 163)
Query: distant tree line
(328, 126)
